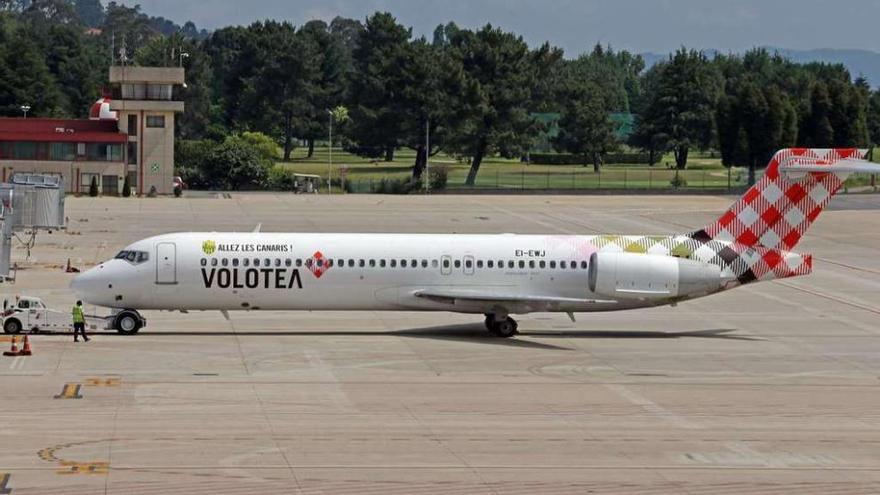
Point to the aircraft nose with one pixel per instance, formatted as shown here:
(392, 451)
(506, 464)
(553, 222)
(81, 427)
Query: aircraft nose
(89, 284)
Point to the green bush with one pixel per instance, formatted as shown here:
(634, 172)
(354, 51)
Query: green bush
(280, 178)
(126, 188)
(678, 181)
(93, 187)
(398, 186)
(571, 159)
(438, 176)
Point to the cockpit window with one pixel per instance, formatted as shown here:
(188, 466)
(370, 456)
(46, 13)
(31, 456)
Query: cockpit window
(134, 257)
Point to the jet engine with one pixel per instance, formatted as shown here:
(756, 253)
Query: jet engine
(651, 277)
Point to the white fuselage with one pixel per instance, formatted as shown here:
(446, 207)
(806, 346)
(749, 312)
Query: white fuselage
(249, 271)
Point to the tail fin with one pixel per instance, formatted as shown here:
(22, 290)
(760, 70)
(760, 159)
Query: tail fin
(777, 211)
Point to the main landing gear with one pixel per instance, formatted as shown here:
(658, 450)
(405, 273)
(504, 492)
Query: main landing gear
(501, 327)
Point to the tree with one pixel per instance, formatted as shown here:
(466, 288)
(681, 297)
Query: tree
(377, 86)
(585, 127)
(499, 79)
(326, 54)
(817, 130)
(681, 114)
(24, 77)
(126, 188)
(89, 12)
(236, 163)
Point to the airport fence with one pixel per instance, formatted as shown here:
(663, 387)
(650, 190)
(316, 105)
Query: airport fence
(523, 179)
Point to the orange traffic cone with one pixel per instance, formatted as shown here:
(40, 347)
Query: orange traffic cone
(26, 350)
(14, 350)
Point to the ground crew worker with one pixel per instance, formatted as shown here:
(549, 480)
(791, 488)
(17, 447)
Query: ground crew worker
(79, 322)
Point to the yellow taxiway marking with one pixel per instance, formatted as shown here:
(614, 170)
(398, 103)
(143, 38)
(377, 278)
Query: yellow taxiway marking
(93, 467)
(70, 391)
(102, 382)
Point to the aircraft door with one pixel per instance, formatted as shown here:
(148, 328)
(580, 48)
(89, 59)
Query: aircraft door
(446, 265)
(166, 263)
(468, 265)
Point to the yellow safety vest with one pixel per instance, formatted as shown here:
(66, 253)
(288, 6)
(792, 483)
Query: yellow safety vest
(78, 314)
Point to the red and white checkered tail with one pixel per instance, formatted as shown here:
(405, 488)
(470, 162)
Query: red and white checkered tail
(777, 211)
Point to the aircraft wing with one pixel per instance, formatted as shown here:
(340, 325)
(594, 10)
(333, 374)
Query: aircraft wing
(475, 298)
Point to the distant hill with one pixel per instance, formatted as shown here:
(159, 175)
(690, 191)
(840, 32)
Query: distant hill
(859, 62)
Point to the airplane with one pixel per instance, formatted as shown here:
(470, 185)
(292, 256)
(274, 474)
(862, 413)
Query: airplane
(497, 275)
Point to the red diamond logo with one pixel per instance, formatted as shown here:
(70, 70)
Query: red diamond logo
(317, 264)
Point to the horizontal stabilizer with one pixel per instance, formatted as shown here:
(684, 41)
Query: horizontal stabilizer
(846, 166)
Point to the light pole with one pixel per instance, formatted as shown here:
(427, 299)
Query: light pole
(25, 109)
(183, 55)
(427, 155)
(330, 152)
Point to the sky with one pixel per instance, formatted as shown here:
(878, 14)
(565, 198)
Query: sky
(657, 26)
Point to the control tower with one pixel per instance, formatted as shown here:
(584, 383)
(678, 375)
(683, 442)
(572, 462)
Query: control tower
(143, 98)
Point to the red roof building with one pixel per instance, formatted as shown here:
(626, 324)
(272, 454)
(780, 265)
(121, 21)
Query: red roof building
(74, 149)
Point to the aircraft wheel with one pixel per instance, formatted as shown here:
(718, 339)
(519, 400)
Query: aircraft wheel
(128, 322)
(490, 319)
(505, 328)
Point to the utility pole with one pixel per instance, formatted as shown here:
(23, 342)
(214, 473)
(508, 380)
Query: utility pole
(330, 152)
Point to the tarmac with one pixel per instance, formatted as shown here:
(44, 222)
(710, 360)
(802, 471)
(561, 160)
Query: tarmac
(770, 388)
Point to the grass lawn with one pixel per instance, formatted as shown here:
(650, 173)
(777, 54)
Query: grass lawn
(364, 173)
(704, 171)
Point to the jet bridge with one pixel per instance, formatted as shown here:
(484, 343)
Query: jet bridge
(28, 204)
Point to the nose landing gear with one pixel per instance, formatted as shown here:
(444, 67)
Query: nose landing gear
(128, 322)
(501, 326)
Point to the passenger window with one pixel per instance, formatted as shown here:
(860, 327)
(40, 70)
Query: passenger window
(393, 263)
(573, 265)
(204, 262)
(381, 263)
(522, 264)
(288, 262)
(24, 304)
(457, 263)
(256, 261)
(553, 264)
(490, 264)
(277, 261)
(414, 264)
(583, 265)
(479, 263)
(424, 263)
(361, 263)
(468, 263)
(531, 263)
(445, 263)
(319, 263)
(403, 263)
(510, 264)
(562, 265)
(246, 262)
(542, 264)
(213, 261)
(372, 263)
(299, 262)
(224, 262)
(309, 263)
(268, 262)
(434, 263)
(500, 264)
(351, 263)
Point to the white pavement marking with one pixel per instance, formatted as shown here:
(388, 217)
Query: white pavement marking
(325, 373)
(652, 407)
(17, 363)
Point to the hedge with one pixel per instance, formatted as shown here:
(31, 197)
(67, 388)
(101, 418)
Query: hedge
(570, 159)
